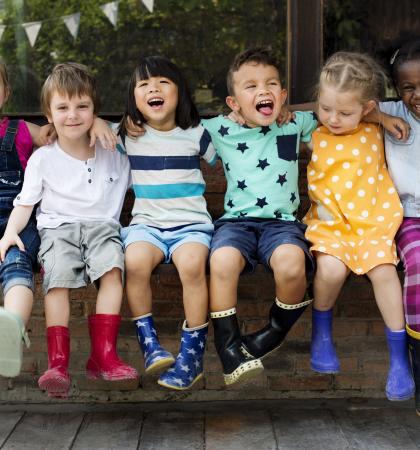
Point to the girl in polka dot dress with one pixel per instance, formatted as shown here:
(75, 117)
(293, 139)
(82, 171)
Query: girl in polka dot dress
(355, 212)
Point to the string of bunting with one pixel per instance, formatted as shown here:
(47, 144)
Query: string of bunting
(72, 21)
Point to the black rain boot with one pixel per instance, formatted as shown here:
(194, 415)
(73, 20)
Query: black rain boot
(227, 340)
(414, 346)
(281, 319)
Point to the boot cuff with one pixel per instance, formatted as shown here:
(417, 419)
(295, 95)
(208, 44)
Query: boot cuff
(199, 327)
(412, 333)
(226, 313)
(297, 306)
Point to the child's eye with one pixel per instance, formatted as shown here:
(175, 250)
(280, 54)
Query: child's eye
(142, 84)
(346, 114)
(249, 86)
(164, 81)
(273, 83)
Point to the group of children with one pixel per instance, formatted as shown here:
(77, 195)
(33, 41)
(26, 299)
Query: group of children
(354, 217)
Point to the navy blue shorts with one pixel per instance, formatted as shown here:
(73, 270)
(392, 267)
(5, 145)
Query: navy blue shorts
(17, 268)
(257, 239)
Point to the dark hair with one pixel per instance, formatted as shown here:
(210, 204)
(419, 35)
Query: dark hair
(186, 114)
(257, 55)
(410, 51)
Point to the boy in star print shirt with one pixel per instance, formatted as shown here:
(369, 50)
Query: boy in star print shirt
(260, 161)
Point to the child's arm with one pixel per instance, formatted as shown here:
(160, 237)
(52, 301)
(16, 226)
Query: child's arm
(101, 130)
(17, 222)
(41, 135)
(397, 126)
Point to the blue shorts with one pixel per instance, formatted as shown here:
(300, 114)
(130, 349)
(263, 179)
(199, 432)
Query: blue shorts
(17, 268)
(168, 240)
(257, 239)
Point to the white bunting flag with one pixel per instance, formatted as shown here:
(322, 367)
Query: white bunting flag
(2, 28)
(32, 30)
(148, 4)
(72, 22)
(111, 11)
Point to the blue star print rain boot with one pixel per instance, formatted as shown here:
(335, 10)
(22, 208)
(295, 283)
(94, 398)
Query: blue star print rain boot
(156, 358)
(400, 383)
(188, 367)
(323, 355)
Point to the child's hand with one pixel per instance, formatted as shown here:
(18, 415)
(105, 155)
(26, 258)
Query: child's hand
(285, 116)
(101, 130)
(133, 130)
(236, 117)
(47, 134)
(398, 127)
(7, 241)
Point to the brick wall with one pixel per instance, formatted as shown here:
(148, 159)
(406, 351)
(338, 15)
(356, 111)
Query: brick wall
(358, 329)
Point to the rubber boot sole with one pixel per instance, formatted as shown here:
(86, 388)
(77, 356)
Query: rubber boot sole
(245, 371)
(179, 388)
(159, 366)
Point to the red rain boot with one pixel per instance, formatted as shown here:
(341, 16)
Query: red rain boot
(56, 380)
(104, 361)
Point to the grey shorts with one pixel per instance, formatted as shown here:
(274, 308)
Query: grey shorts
(75, 254)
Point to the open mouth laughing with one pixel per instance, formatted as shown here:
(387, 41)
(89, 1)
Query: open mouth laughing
(265, 107)
(156, 102)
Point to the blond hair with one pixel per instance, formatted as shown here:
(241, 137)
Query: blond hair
(4, 77)
(70, 79)
(354, 72)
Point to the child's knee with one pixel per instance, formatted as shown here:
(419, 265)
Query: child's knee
(225, 263)
(289, 267)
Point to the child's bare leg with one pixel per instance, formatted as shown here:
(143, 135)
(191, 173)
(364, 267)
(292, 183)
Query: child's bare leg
(19, 300)
(140, 260)
(331, 273)
(388, 295)
(330, 276)
(288, 265)
(110, 293)
(57, 307)
(226, 264)
(190, 259)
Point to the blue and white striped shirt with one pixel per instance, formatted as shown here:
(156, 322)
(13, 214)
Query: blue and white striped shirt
(166, 176)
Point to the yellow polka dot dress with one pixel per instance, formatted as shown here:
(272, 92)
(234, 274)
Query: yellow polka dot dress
(355, 211)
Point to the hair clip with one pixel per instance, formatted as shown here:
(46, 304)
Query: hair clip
(393, 57)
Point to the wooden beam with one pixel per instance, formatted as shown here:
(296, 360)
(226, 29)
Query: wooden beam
(304, 55)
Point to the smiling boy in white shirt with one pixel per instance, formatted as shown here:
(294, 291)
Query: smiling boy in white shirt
(81, 191)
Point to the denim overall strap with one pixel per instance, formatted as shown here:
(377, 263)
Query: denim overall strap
(9, 159)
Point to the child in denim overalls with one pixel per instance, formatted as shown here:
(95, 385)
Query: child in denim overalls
(16, 268)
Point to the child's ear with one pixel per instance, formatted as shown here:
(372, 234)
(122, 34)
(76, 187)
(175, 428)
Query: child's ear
(283, 96)
(369, 106)
(232, 103)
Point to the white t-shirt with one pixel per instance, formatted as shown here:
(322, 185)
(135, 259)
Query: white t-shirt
(71, 190)
(403, 159)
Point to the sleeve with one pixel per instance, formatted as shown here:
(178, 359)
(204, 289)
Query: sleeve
(307, 122)
(32, 188)
(388, 108)
(207, 150)
(212, 125)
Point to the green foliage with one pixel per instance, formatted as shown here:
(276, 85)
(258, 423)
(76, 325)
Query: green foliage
(201, 36)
